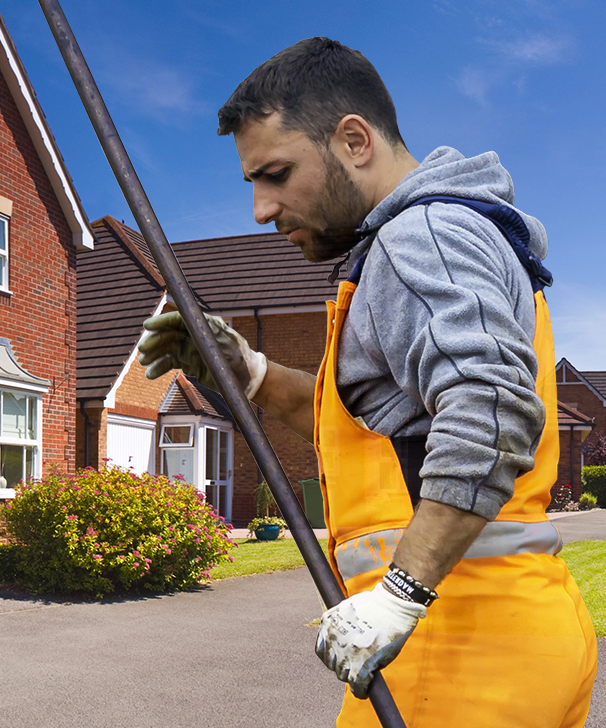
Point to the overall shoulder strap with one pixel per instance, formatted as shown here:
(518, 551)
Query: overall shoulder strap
(513, 227)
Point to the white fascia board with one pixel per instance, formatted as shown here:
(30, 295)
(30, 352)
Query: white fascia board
(131, 421)
(45, 146)
(563, 428)
(110, 400)
(26, 387)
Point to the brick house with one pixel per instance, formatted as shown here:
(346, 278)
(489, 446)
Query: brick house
(262, 286)
(583, 394)
(42, 227)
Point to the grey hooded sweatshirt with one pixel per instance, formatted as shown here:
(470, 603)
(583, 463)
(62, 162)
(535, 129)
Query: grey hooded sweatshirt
(438, 340)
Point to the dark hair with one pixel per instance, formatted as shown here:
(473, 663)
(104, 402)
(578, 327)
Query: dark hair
(313, 84)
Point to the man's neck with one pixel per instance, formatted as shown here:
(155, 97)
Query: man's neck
(394, 170)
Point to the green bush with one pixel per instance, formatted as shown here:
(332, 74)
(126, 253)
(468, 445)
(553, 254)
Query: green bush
(587, 501)
(594, 482)
(96, 532)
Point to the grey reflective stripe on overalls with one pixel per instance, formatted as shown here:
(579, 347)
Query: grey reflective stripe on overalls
(498, 538)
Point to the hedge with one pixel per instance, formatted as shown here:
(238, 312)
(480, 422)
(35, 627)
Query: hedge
(593, 478)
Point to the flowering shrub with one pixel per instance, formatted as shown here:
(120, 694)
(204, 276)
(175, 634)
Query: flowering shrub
(96, 532)
(561, 495)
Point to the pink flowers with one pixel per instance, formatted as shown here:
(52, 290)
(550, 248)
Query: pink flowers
(72, 518)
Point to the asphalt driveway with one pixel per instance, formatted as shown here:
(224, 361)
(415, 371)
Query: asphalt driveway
(238, 653)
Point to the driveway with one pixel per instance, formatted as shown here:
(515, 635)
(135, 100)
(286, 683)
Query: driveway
(580, 526)
(237, 653)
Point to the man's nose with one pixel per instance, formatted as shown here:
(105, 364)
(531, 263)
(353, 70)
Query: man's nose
(266, 207)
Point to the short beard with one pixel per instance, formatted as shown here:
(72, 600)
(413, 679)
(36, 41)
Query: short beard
(342, 206)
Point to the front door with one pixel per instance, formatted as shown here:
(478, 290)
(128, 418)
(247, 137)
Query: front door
(217, 471)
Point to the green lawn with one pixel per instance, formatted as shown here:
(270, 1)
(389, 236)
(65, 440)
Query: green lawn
(259, 557)
(587, 562)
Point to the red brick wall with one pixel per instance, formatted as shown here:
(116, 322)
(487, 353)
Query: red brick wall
(293, 340)
(39, 317)
(584, 400)
(564, 474)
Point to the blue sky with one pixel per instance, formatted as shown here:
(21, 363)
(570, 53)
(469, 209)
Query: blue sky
(524, 78)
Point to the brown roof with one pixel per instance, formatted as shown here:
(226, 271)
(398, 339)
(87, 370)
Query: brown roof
(569, 416)
(118, 288)
(251, 271)
(186, 396)
(597, 381)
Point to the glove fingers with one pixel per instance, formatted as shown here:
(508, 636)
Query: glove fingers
(165, 321)
(359, 683)
(161, 342)
(161, 366)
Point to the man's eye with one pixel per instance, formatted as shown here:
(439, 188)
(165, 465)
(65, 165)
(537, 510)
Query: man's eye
(279, 176)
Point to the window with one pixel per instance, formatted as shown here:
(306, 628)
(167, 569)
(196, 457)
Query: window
(177, 443)
(19, 436)
(3, 253)
(177, 436)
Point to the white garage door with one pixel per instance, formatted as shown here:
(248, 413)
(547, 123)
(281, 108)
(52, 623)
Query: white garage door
(131, 443)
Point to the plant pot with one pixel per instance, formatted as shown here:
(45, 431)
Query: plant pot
(267, 532)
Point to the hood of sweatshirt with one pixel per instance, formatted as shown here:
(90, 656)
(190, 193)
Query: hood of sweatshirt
(447, 172)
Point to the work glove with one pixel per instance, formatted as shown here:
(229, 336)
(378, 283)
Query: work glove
(365, 633)
(169, 346)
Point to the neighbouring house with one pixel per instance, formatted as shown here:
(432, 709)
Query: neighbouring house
(583, 395)
(262, 286)
(42, 227)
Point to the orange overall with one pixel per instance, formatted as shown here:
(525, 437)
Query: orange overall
(509, 644)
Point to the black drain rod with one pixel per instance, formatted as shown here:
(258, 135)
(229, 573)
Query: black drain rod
(201, 335)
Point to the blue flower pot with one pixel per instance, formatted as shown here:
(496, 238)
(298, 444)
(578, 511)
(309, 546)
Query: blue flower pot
(267, 532)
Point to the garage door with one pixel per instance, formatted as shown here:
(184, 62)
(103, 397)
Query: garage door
(131, 443)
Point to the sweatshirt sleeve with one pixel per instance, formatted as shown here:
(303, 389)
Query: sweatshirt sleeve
(459, 342)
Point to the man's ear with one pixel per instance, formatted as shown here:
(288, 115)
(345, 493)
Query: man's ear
(353, 140)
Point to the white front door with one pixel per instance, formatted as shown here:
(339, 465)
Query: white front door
(217, 469)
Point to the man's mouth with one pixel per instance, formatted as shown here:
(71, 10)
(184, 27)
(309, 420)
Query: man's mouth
(290, 233)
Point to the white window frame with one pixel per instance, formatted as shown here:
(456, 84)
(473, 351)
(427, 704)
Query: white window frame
(4, 222)
(35, 444)
(181, 445)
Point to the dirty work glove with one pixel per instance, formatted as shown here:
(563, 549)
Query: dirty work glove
(365, 633)
(169, 346)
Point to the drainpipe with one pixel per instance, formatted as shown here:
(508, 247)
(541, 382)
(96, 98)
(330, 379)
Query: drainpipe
(572, 462)
(86, 431)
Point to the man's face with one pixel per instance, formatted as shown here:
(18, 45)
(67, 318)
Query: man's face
(304, 190)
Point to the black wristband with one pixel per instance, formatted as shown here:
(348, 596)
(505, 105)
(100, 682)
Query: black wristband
(402, 584)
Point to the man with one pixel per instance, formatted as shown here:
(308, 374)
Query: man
(437, 393)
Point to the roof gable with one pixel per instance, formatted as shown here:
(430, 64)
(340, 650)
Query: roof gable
(43, 140)
(118, 288)
(186, 396)
(566, 374)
